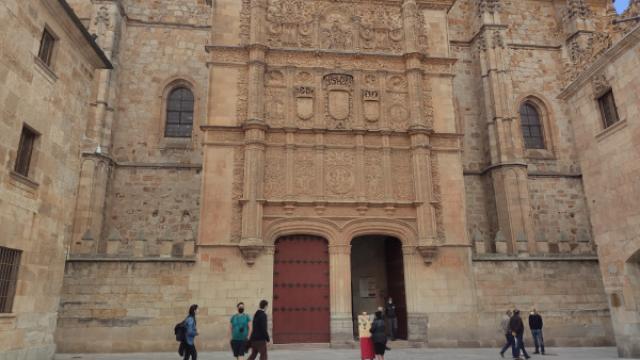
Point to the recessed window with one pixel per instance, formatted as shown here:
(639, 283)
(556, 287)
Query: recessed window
(608, 109)
(9, 263)
(531, 126)
(46, 47)
(179, 121)
(25, 151)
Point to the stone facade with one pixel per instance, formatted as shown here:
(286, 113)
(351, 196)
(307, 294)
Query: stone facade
(344, 119)
(56, 101)
(608, 158)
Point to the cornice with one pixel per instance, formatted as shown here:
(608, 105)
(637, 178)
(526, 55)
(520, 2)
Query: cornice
(629, 40)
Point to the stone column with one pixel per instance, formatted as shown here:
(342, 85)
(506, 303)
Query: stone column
(340, 292)
(508, 168)
(97, 164)
(416, 320)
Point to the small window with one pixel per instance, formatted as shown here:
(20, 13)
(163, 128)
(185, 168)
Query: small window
(9, 263)
(179, 121)
(46, 47)
(25, 151)
(608, 109)
(531, 127)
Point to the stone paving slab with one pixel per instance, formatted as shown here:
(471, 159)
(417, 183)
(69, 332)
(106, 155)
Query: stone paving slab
(398, 354)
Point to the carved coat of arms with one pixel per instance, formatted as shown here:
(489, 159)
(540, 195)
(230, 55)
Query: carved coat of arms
(371, 105)
(338, 88)
(304, 101)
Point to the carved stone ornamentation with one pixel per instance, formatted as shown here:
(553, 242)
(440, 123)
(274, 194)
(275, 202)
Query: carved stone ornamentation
(428, 253)
(274, 173)
(338, 99)
(371, 105)
(489, 6)
(600, 84)
(402, 176)
(339, 173)
(576, 9)
(583, 51)
(304, 182)
(304, 96)
(250, 252)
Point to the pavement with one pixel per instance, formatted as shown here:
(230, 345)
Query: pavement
(602, 353)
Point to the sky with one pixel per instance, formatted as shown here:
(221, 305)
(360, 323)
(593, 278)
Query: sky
(621, 5)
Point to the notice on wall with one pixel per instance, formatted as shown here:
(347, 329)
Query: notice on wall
(368, 288)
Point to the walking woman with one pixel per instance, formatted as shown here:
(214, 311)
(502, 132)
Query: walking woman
(379, 335)
(191, 333)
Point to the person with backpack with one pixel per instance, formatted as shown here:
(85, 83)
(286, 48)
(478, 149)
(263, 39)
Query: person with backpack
(190, 333)
(240, 328)
(259, 334)
(379, 335)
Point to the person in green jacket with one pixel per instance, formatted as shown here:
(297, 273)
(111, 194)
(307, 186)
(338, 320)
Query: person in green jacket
(240, 329)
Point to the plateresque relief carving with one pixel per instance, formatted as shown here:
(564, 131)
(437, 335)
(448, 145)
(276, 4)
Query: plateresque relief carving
(333, 25)
(338, 99)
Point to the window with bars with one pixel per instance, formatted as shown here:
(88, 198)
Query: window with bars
(25, 151)
(608, 109)
(179, 122)
(46, 47)
(9, 264)
(531, 126)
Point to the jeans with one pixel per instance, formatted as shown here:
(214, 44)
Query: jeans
(508, 344)
(538, 341)
(190, 351)
(393, 327)
(519, 345)
(258, 347)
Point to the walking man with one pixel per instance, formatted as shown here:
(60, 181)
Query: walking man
(506, 330)
(535, 324)
(517, 330)
(259, 335)
(240, 328)
(390, 313)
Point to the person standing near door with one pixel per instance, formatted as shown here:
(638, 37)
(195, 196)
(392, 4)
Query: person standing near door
(379, 335)
(259, 333)
(240, 328)
(392, 318)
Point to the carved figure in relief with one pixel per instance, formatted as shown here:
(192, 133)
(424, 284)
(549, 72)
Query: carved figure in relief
(336, 31)
(380, 28)
(290, 22)
(305, 179)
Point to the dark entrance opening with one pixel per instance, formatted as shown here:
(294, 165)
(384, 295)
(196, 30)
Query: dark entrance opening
(377, 273)
(301, 290)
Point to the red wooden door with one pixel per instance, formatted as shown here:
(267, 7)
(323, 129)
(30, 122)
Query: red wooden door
(301, 290)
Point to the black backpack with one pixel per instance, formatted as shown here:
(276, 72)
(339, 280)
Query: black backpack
(180, 330)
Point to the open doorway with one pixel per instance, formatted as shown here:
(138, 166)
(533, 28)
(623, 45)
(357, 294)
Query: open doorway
(377, 273)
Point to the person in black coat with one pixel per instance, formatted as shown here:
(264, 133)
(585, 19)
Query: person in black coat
(535, 324)
(379, 335)
(259, 334)
(517, 329)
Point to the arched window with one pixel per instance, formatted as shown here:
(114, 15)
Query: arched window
(179, 113)
(531, 126)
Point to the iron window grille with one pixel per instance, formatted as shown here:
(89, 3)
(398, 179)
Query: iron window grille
(179, 122)
(25, 151)
(46, 47)
(9, 264)
(608, 109)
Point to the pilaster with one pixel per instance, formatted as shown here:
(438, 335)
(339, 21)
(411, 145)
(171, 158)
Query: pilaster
(508, 170)
(340, 290)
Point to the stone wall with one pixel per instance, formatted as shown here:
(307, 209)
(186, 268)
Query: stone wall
(609, 161)
(35, 210)
(568, 294)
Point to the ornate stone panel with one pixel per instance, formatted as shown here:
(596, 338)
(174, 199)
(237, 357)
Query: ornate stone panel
(373, 175)
(370, 27)
(402, 178)
(275, 171)
(304, 179)
(340, 177)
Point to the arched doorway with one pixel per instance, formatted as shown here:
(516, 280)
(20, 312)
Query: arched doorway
(301, 303)
(377, 273)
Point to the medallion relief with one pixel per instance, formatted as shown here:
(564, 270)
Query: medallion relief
(340, 178)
